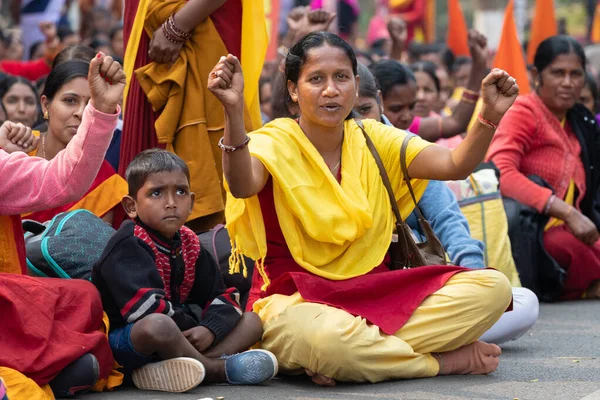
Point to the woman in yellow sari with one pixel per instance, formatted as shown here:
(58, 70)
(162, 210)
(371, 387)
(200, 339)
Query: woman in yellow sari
(306, 200)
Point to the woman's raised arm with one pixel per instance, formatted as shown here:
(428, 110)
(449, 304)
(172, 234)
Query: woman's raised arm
(245, 175)
(32, 183)
(499, 91)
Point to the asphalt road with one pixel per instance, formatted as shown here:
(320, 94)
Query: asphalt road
(558, 359)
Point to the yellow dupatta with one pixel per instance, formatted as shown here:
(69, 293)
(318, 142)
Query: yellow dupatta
(254, 48)
(336, 231)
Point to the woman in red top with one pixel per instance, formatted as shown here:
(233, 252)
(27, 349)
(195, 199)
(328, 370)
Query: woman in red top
(548, 135)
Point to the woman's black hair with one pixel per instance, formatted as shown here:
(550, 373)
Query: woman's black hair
(296, 56)
(96, 43)
(34, 47)
(555, 46)
(152, 161)
(62, 31)
(590, 81)
(430, 69)
(63, 74)
(389, 73)
(9, 81)
(460, 61)
(368, 85)
(75, 52)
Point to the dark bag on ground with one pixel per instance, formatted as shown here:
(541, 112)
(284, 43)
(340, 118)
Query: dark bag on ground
(67, 246)
(218, 243)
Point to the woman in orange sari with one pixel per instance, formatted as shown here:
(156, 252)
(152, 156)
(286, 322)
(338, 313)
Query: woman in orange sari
(64, 98)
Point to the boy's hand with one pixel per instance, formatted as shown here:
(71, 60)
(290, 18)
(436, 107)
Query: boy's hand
(200, 337)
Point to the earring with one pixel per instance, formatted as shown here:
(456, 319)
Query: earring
(46, 114)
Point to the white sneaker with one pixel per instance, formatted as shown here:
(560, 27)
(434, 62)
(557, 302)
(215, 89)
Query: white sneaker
(175, 375)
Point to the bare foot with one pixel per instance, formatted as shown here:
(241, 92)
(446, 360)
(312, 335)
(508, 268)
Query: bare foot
(320, 380)
(593, 291)
(477, 358)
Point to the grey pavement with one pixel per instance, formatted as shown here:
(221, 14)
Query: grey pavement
(558, 359)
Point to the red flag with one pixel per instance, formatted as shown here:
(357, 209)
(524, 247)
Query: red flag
(509, 56)
(542, 27)
(458, 40)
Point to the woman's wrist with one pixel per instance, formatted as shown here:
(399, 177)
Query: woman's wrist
(181, 25)
(490, 115)
(105, 108)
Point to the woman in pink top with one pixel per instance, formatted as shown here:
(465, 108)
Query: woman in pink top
(66, 349)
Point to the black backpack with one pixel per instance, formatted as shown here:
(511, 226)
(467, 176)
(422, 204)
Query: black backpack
(67, 246)
(217, 242)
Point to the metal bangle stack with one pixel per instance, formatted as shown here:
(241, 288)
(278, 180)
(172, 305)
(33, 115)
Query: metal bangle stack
(173, 33)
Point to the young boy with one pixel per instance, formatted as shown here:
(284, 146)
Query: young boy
(172, 320)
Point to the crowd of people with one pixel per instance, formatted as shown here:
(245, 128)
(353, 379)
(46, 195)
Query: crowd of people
(347, 253)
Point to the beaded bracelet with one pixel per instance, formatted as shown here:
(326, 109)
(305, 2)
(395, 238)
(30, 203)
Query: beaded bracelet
(173, 33)
(168, 34)
(231, 149)
(179, 32)
(486, 122)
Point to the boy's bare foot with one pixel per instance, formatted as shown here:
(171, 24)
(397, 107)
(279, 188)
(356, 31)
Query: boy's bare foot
(477, 358)
(319, 379)
(593, 291)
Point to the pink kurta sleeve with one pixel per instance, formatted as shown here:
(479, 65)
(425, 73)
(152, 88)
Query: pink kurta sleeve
(510, 145)
(33, 183)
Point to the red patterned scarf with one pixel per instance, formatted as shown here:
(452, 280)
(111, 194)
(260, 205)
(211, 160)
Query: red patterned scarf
(190, 247)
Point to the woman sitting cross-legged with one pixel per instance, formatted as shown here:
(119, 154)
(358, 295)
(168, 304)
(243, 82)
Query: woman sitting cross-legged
(549, 135)
(64, 99)
(306, 200)
(440, 208)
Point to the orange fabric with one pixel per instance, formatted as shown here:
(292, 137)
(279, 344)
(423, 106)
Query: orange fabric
(542, 27)
(104, 195)
(18, 386)
(115, 378)
(12, 246)
(457, 30)
(510, 54)
(430, 19)
(596, 26)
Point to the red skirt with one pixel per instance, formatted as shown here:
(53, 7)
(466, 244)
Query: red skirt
(46, 324)
(582, 262)
(385, 298)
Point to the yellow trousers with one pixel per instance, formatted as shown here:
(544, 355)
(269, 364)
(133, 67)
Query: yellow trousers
(332, 342)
